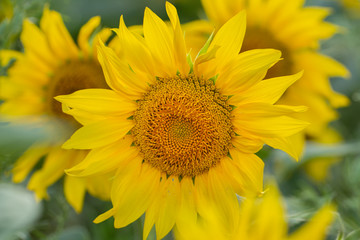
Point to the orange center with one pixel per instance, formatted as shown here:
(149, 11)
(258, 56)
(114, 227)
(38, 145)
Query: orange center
(183, 126)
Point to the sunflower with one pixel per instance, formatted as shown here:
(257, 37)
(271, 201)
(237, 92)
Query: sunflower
(51, 64)
(179, 132)
(260, 219)
(295, 31)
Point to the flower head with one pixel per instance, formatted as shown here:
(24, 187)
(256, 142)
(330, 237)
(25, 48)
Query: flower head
(51, 64)
(179, 132)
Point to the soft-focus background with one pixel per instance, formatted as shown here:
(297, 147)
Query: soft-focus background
(21, 217)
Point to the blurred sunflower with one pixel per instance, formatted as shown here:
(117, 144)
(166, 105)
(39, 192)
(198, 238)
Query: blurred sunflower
(179, 132)
(260, 219)
(295, 31)
(51, 64)
(6, 9)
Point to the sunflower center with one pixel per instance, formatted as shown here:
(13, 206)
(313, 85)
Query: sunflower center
(71, 77)
(180, 130)
(257, 38)
(183, 126)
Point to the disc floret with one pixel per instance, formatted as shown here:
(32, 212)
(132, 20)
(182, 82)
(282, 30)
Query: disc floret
(183, 125)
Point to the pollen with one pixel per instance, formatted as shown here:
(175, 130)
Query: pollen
(183, 126)
(71, 77)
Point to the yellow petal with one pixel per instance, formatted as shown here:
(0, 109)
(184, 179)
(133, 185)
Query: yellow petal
(312, 35)
(196, 33)
(105, 159)
(159, 41)
(268, 91)
(259, 109)
(178, 41)
(246, 70)
(316, 78)
(58, 36)
(74, 190)
(247, 171)
(303, 21)
(150, 216)
(36, 46)
(104, 216)
(246, 145)
(169, 201)
(52, 169)
(135, 51)
(288, 9)
(119, 76)
(270, 217)
(104, 36)
(127, 176)
(187, 214)
(135, 191)
(230, 38)
(84, 118)
(99, 101)
(7, 55)
(219, 11)
(318, 169)
(319, 113)
(100, 186)
(268, 127)
(317, 226)
(28, 74)
(258, 120)
(99, 134)
(212, 190)
(28, 160)
(319, 62)
(206, 58)
(293, 145)
(8, 89)
(24, 105)
(85, 34)
(246, 211)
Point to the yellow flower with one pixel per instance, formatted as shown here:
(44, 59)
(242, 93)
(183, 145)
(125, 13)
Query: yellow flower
(51, 64)
(295, 31)
(179, 132)
(258, 219)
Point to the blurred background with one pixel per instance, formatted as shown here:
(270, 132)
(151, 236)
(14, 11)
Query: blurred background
(21, 217)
